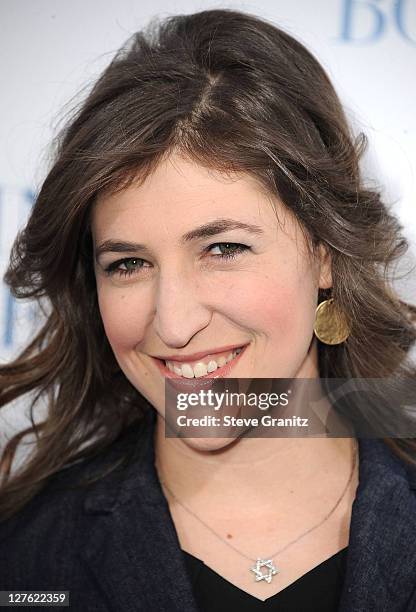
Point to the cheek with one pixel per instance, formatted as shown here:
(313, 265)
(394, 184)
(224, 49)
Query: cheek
(274, 304)
(123, 317)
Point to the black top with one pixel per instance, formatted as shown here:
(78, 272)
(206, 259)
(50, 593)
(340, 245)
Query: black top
(316, 591)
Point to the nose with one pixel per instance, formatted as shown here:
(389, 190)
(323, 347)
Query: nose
(180, 309)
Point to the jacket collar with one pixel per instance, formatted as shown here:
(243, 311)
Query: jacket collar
(130, 543)
(381, 561)
(132, 548)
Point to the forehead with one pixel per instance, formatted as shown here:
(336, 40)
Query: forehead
(180, 182)
(182, 173)
(180, 194)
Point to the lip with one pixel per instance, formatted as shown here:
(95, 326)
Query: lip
(200, 355)
(221, 372)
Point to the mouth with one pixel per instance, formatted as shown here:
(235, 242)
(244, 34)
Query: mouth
(213, 366)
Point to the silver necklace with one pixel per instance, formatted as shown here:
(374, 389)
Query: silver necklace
(264, 568)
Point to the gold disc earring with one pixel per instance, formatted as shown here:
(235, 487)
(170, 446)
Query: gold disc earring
(331, 325)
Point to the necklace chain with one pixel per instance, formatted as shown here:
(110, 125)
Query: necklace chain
(326, 517)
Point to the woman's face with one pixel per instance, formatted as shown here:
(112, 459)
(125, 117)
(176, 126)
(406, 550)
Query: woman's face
(209, 268)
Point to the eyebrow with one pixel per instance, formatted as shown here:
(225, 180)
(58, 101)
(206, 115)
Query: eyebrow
(212, 228)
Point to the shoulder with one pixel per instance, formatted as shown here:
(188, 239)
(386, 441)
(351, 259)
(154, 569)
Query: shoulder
(386, 495)
(378, 459)
(49, 530)
(382, 531)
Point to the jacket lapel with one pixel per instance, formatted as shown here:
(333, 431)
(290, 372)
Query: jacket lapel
(381, 561)
(131, 545)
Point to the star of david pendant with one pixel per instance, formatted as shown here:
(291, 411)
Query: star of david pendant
(270, 572)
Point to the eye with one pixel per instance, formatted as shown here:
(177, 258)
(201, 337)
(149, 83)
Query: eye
(228, 250)
(132, 266)
(135, 265)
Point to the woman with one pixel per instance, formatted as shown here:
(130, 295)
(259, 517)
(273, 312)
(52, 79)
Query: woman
(204, 200)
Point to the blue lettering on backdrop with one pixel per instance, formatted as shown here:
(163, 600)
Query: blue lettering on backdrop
(9, 323)
(14, 311)
(403, 20)
(376, 14)
(353, 10)
(28, 201)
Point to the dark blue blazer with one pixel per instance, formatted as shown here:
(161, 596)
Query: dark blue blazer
(114, 546)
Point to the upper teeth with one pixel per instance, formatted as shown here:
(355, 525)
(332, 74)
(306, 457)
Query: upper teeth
(201, 368)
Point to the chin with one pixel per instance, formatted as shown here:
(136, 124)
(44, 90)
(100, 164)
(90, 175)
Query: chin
(208, 444)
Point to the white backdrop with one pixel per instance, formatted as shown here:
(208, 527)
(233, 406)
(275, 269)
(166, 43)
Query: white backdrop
(50, 49)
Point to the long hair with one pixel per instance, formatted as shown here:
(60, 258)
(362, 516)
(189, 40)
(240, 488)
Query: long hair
(235, 93)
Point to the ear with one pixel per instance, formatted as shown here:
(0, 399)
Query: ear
(325, 268)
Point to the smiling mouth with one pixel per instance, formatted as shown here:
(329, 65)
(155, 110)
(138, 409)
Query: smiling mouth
(212, 366)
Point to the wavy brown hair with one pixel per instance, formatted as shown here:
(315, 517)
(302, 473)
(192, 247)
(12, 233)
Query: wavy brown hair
(235, 93)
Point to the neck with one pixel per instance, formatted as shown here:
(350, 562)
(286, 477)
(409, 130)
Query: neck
(252, 471)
